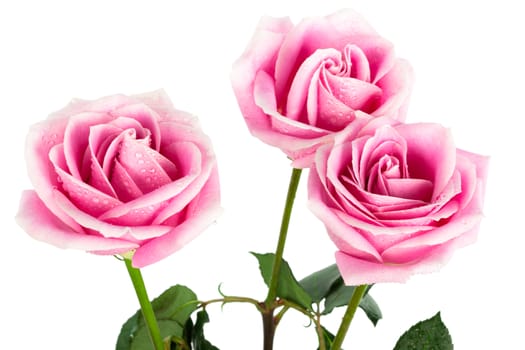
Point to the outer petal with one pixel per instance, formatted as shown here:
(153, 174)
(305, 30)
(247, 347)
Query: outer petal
(42, 137)
(260, 55)
(345, 237)
(165, 245)
(356, 271)
(41, 224)
(396, 86)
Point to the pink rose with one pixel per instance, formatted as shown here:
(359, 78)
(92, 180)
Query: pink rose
(396, 201)
(296, 86)
(118, 174)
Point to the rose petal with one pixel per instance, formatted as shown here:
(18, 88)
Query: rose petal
(335, 114)
(141, 165)
(357, 271)
(85, 197)
(41, 224)
(396, 86)
(307, 75)
(75, 140)
(356, 94)
(146, 117)
(105, 229)
(41, 138)
(343, 236)
(176, 192)
(265, 98)
(126, 189)
(335, 31)
(260, 55)
(431, 153)
(178, 237)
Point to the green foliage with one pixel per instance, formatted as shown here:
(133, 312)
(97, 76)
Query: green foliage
(172, 310)
(341, 294)
(431, 334)
(287, 288)
(198, 340)
(319, 283)
(328, 284)
(328, 338)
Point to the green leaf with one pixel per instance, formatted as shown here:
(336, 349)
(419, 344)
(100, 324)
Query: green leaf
(126, 332)
(176, 303)
(287, 288)
(328, 338)
(199, 342)
(318, 284)
(371, 309)
(431, 334)
(341, 294)
(168, 328)
(172, 310)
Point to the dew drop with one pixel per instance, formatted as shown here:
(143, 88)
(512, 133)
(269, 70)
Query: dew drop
(95, 200)
(140, 161)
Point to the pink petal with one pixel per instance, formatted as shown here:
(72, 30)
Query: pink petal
(176, 132)
(124, 186)
(335, 31)
(76, 139)
(471, 178)
(345, 237)
(165, 245)
(177, 192)
(41, 224)
(357, 271)
(305, 76)
(190, 193)
(85, 197)
(356, 94)
(141, 164)
(260, 55)
(418, 189)
(105, 229)
(335, 114)
(431, 153)
(396, 87)
(456, 227)
(144, 115)
(265, 98)
(40, 139)
(160, 102)
(357, 63)
(98, 136)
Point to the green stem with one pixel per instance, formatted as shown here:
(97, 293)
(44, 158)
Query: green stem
(349, 315)
(145, 305)
(292, 190)
(320, 333)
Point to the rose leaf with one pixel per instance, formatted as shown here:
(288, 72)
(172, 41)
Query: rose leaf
(431, 334)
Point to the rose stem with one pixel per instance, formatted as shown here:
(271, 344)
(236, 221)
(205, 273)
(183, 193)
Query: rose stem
(348, 316)
(145, 305)
(276, 269)
(267, 315)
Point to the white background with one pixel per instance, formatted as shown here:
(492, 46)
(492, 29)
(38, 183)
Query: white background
(468, 59)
